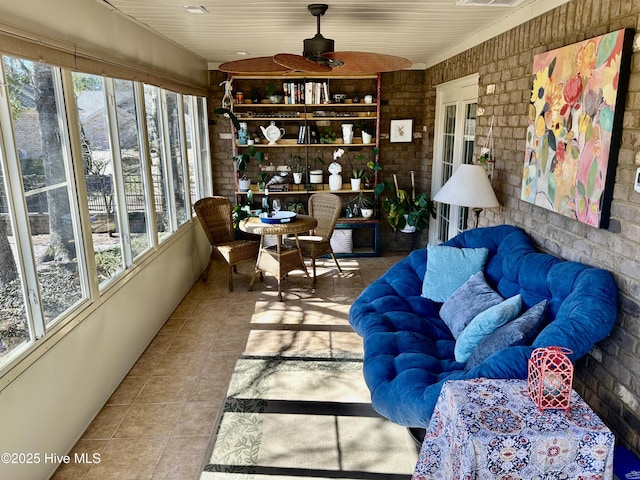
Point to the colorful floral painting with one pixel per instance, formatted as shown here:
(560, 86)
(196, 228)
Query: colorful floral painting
(573, 127)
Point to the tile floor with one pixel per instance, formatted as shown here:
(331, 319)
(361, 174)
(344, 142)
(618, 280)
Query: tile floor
(158, 424)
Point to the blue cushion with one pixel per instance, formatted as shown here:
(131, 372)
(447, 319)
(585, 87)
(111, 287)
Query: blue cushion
(448, 268)
(473, 297)
(484, 324)
(520, 331)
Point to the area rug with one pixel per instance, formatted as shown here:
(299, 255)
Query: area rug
(305, 418)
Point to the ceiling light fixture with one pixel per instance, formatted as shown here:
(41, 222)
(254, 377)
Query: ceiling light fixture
(196, 9)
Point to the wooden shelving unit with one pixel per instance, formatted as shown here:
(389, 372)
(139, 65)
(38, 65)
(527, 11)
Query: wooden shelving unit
(291, 116)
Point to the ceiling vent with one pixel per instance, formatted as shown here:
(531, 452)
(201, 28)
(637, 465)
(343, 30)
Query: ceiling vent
(489, 3)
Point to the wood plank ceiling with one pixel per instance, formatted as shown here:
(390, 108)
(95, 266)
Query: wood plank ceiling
(424, 31)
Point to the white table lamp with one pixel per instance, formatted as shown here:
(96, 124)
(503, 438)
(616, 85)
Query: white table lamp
(469, 186)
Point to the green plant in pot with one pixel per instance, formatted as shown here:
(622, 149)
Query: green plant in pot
(298, 167)
(366, 131)
(373, 166)
(242, 164)
(405, 212)
(242, 160)
(365, 204)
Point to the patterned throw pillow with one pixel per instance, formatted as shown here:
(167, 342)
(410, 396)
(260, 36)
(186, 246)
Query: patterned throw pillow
(521, 331)
(448, 268)
(472, 298)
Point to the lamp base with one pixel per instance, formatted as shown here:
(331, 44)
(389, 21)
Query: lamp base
(477, 211)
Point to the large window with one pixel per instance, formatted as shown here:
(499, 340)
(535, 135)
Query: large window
(129, 147)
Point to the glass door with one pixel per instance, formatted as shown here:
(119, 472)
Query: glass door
(456, 108)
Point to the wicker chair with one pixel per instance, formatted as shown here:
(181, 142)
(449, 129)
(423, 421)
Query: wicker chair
(325, 208)
(215, 215)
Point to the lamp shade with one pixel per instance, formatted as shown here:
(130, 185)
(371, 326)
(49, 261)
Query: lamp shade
(469, 186)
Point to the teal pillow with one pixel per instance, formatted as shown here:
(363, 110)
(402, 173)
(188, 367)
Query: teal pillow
(473, 297)
(520, 331)
(448, 268)
(484, 324)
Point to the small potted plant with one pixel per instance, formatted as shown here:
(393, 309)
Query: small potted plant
(242, 161)
(366, 130)
(406, 212)
(365, 205)
(298, 167)
(271, 93)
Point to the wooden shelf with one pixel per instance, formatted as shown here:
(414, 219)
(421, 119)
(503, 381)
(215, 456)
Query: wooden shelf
(300, 190)
(290, 142)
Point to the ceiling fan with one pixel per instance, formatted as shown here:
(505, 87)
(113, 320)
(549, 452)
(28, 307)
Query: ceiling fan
(318, 57)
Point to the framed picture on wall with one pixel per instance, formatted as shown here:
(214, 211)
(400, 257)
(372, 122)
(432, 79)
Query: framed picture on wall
(575, 125)
(401, 131)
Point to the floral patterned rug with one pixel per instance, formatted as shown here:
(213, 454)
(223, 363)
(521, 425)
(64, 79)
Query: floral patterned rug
(305, 418)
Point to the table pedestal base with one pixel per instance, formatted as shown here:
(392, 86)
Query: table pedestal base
(279, 260)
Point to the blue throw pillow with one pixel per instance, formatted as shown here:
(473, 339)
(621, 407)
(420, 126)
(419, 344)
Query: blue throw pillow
(484, 324)
(472, 298)
(521, 331)
(448, 268)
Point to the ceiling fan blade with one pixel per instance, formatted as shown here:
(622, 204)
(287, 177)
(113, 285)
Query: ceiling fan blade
(247, 66)
(367, 62)
(300, 63)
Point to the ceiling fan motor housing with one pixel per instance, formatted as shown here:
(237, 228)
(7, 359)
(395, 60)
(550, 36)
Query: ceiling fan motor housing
(316, 46)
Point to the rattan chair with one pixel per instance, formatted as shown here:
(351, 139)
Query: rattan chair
(215, 215)
(325, 208)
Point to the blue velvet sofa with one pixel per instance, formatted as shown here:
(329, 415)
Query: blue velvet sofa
(409, 350)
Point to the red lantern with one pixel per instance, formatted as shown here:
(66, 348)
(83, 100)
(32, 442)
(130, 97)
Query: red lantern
(550, 378)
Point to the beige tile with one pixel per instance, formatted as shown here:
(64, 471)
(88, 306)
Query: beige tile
(231, 339)
(106, 422)
(181, 363)
(172, 326)
(183, 459)
(83, 455)
(127, 391)
(191, 343)
(209, 388)
(149, 420)
(166, 389)
(197, 419)
(129, 459)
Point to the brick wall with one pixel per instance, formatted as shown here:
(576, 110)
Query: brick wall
(607, 377)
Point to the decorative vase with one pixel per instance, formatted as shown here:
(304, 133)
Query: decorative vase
(335, 181)
(366, 212)
(366, 138)
(243, 134)
(297, 178)
(355, 184)
(347, 132)
(315, 176)
(244, 184)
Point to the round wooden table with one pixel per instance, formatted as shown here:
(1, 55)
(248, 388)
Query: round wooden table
(279, 259)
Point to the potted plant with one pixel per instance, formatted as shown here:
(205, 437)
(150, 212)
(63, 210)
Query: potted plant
(271, 93)
(298, 167)
(242, 160)
(406, 212)
(373, 166)
(242, 164)
(365, 205)
(366, 130)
